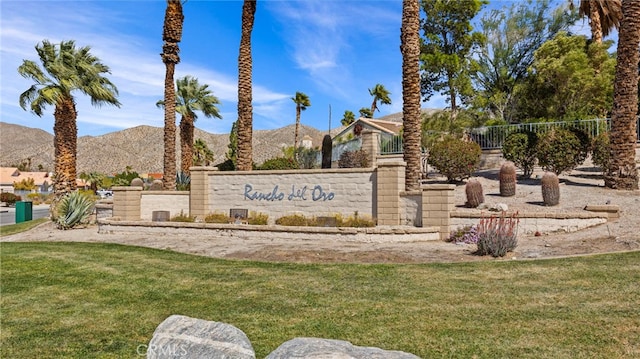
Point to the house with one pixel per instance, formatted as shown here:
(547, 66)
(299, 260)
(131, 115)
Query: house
(388, 129)
(11, 175)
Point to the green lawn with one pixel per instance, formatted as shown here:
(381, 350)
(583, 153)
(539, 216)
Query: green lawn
(99, 300)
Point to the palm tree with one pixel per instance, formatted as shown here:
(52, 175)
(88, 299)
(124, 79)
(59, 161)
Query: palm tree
(622, 172)
(410, 49)
(603, 16)
(202, 155)
(381, 94)
(348, 118)
(302, 102)
(94, 179)
(245, 108)
(192, 97)
(66, 69)
(171, 36)
(366, 112)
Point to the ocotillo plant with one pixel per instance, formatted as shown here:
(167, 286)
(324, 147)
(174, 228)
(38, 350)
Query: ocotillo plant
(473, 189)
(550, 189)
(507, 178)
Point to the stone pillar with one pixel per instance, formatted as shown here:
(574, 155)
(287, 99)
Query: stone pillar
(370, 143)
(390, 182)
(437, 205)
(126, 203)
(199, 194)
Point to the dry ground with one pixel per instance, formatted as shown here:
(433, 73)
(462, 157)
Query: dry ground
(581, 187)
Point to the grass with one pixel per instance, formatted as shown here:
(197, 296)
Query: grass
(10, 229)
(81, 300)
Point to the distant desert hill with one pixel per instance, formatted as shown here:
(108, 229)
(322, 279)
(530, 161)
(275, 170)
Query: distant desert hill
(139, 147)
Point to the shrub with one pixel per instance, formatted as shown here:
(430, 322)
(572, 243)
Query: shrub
(467, 234)
(559, 150)
(454, 158)
(354, 159)
(520, 148)
(354, 221)
(294, 220)
(182, 217)
(183, 181)
(73, 209)
(257, 218)
(585, 144)
(227, 165)
(497, 236)
(307, 157)
(124, 178)
(216, 217)
(9, 198)
(279, 163)
(600, 154)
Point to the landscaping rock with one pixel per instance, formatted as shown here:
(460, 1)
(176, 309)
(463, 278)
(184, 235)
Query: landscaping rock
(311, 348)
(183, 337)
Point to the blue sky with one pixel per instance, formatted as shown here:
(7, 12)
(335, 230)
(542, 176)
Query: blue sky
(333, 51)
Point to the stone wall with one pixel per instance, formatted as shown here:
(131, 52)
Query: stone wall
(173, 201)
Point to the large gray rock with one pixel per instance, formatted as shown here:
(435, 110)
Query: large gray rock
(310, 348)
(183, 337)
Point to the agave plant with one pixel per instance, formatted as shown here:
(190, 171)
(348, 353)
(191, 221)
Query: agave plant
(73, 209)
(183, 181)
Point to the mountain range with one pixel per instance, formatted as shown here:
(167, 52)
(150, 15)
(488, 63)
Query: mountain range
(140, 148)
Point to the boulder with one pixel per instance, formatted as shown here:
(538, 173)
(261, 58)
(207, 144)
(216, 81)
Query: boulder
(179, 336)
(317, 348)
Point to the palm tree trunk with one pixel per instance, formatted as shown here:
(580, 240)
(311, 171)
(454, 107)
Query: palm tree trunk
(245, 107)
(622, 172)
(169, 174)
(186, 143)
(410, 49)
(65, 141)
(295, 137)
(595, 23)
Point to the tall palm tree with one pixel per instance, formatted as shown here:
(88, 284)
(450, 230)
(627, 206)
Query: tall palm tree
(302, 102)
(380, 94)
(66, 69)
(348, 118)
(410, 49)
(622, 172)
(202, 155)
(171, 36)
(603, 16)
(192, 97)
(245, 108)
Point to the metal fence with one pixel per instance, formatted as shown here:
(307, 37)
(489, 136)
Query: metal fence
(339, 148)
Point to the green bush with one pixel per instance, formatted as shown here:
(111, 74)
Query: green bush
(354, 159)
(520, 148)
(585, 144)
(600, 154)
(74, 209)
(454, 158)
(216, 217)
(182, 217)
(9, 198)
(279, 163)
(257, 218)
(559, 150)
(294, 220)
(227, 165)
(307, 158)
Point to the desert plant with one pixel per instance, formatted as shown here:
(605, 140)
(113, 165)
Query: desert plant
(183, 217)
(550, 189)
(507, 177)
(600, 154)
(475, 195)
(216, 217)
(73, 209)
(559, 150)
(466, 234)
(137, 182)
(257, 218)
(327, 147)
(520, 148)
(354, 159)
(454, 158)
(497, 236)
(9, 198)
(585, 144)
(156, 185)
(183, 181)
(307, 157)
(356, 221)
(279, 163)
(124, 178)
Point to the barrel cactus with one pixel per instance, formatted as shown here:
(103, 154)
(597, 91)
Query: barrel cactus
(550, 189)
(473, 190)
(507, 178)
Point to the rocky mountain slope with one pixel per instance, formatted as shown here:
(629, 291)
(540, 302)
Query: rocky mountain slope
(139, 147)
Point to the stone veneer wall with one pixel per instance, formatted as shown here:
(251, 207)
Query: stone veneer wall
(278, 193)
(173, 201)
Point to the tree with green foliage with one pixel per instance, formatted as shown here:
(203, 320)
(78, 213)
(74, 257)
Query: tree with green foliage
(65, 70)
(93, 179)
(512, 34)
(446, 49)
(191, 97)
(232, 152)
(302, 102)
(380, 94)
(202, 155)
(347, 118)
(366, 112)
(569, 79)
